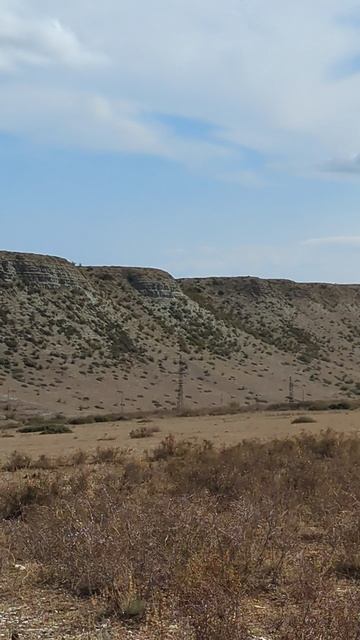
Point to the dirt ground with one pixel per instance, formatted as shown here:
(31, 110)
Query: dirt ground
(222, 430)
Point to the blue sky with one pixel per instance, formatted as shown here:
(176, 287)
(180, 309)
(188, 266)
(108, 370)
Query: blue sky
(200, 137)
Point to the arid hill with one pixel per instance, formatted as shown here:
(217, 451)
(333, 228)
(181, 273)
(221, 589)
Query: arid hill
(92, 339)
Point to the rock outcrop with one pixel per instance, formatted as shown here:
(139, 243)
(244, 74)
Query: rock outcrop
(38, 271)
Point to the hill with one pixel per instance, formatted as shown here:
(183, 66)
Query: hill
(93, 339)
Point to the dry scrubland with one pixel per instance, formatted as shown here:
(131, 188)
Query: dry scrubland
(168, 528)
(99, 339)
(189, 542)
(143, 434)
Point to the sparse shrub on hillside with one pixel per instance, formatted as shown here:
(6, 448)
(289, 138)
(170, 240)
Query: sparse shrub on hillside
(80, 420)
(341, 405)
(143, 432)
(46, 429)
(99, 417)
(303, 420)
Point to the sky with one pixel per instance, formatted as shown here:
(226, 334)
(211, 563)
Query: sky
(197, 136)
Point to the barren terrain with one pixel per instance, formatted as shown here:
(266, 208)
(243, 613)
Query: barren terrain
(127, 510)
(222, 430)
(99, 339)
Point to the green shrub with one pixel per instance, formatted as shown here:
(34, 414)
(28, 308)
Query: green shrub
(303, 420)
(46, 429)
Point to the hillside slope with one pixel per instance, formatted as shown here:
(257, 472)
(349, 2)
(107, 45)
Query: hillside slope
(98, 339)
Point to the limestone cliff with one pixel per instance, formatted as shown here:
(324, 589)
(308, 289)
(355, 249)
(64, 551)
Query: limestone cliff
(82, 337)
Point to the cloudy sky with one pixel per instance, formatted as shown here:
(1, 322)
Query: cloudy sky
(199, 136)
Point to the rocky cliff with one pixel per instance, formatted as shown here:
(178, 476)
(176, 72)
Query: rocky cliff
(38, 271)
(92, 338)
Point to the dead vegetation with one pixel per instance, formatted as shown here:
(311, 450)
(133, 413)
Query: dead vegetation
(143, 432)
(260, 539)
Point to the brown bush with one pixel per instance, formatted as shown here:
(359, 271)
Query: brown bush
(143, 432)
(196, 535)
(17, 461)
(108, 455)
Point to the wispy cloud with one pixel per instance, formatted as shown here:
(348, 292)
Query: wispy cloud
(345, 166)
(334, 240)
(41, 42)
(89, 121)
(248, 68)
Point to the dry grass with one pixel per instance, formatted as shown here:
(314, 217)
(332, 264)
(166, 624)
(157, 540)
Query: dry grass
(223, 430)
(193, 536)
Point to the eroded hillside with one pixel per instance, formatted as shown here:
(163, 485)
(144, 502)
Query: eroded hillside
(108, 338)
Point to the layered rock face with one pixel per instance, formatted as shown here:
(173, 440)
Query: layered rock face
(39, 271)
(153, 283)
(150, 283)
(53, 272)
(85, 334)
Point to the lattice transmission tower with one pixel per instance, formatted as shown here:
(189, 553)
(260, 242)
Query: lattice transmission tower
(291, 390)
(181, 378)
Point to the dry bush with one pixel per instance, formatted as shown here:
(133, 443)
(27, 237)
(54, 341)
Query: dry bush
(79, 458)
(43, 462)
(18, 496)
(143, 432)
(195, 534)
(329, 616)
(17, 461)
(109, 455)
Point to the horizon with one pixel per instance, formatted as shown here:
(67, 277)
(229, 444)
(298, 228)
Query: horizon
(76, 264)
(203, 138)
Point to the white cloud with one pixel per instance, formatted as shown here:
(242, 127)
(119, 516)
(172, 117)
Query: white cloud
(266, 72)
(89, 121)
(40, 41)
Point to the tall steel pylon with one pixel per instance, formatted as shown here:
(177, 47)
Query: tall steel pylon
(291, 390)
(180, 389)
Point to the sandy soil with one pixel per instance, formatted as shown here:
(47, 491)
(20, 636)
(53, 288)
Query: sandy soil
(227, 430)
